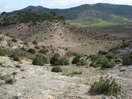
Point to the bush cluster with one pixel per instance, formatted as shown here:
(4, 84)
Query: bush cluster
(28, 16)
(104, 61)
(78, 61)
(106, 85)
(57, 60)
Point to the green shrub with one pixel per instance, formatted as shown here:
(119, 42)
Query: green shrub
(106, 85)
(76, 73)
(14, 40)
(44, 51)
(102, 53)
(76, 60)
(63, 61)
(127, 60)
(111, 56)
(56, 69)
(25, 43)
(8, 79)
(39, 60)
(32, 51)
(117, 61)
(2, 53)
(18, 66)
(35, 42)
(82, 62)
(103, 62)
(15, 57)
(55, 59)
(1, 38)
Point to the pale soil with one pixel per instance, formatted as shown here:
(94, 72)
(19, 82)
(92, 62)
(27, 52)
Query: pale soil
(36, 82)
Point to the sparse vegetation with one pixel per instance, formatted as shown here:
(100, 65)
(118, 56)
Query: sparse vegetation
(8, 79)
(103, 61)
(57, 60)
(56, 69)
(18, 66)
(35, 42)
(28, 16)
(2, 52)
(44, 51)
(127, 60)
(14, 40)
(15, 57)
(31, 50)
(106, 85)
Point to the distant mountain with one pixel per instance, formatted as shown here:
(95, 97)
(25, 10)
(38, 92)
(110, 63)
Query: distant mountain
(96, 14)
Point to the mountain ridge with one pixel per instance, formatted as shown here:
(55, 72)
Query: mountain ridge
(90, 14)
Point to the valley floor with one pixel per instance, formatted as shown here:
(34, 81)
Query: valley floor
(36, 82)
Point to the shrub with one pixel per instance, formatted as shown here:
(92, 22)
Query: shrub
(106, 85)
(63, 61)
(8, 79)
(76, 60)
(14, 40)
(56, 69)
(35, 42)
(39, 60)
(82, 62)
(127, 60)
(103, 62)
(18, 66)
(15, 57)
(55, 59)
(25, 43)
(44, 51)
(31, 51)
(102, 53)
(1, 38)
(2, 53)
(117, 61)
(111, 56)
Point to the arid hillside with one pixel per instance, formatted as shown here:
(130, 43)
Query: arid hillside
(65, 36)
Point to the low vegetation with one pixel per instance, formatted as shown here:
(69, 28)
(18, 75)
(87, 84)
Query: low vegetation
(8, 79)
(57, 60)
(127, 59)
(39, 60)
(15, 57)
(31, 50)
(104, 60)
(27, 16)
(78, 61)
(107, 86)
(56, 69)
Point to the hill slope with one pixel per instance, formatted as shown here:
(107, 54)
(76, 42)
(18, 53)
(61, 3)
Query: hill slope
(92, 14)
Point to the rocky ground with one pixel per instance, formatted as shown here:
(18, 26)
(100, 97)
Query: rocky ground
(36, 82)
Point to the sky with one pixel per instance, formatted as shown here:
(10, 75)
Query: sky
(11, 5)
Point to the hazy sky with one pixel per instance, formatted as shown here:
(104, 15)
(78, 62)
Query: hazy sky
(10, 5)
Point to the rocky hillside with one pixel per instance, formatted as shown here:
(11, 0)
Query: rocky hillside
(60, 35)
(21, 79)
